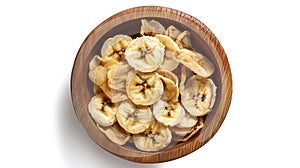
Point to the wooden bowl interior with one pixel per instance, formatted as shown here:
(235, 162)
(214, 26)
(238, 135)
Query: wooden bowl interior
(129, 22)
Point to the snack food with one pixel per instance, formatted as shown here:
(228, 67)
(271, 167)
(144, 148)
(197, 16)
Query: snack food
(140, 94)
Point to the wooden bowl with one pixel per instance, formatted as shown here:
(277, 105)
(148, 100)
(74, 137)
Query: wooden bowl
(128, 22)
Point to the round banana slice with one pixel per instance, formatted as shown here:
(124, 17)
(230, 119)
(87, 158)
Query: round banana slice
(168, 113)
(155, 138)
(171, 50)
(96, 60)
(144, 88)
(134, 119)
(195, 61)
(198, 95)
(187, 121)
(145, 53)
(151, 27)
(170, 81)
(172, 32)
(102, 110)
(115, 47)
(184, 40)
(115, 133)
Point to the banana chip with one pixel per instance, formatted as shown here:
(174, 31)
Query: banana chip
(151, 27)
(115, 47)
(184, 40)
(170, 81)
(96, 60)
(134, 119)
(172, 32)
(144, 88)
(99, 77)
(155, 138)
(171, 50)
(198, 95)
(195, 61)
(145, 53)
(168, 113)
(102, 110)
(115, 133)
(187, 121)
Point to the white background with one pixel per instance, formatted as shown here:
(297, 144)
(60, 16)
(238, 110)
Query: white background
(39, 41)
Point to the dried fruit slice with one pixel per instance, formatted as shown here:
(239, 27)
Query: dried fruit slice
(171, 50)
(155, 138)
(145, 53)
(168, 113)
(143, 88)
(134, 119)
(115, 133)
(196, 62)
(198, 95)
(102, 110)
(184, 40)
(170, 82)
(115, 47)
(151, 27)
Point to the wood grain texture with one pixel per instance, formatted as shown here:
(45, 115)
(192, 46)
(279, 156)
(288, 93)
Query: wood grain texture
(207, 43)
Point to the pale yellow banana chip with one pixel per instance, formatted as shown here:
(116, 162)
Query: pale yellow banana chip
(198, 95)
(196, 62)
(170, 81)
(155, 138)
(115, 47)
(102, 110)
(144, 88)
(145, 54)
(168, 113)
(151, 27)
(134, 119)
(115, 133)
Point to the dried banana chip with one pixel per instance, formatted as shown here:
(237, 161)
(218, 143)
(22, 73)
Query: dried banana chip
(115, 47)
(96, 60)
(171, 50)
(117, 77)
(170, 81)
(102, 110)
(172, 32)
(196, 62)
(134, 119)
(195, 129)
(198, 95)
(145, 53)
(144, 88)
(117, 82)
(187, 121)
(151, 27)
(168, 113)
(155, 138)
(184, 40)
(99, 77)
(115, 133)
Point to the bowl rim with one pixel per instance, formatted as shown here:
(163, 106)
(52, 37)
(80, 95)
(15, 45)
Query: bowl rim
(138, 13)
